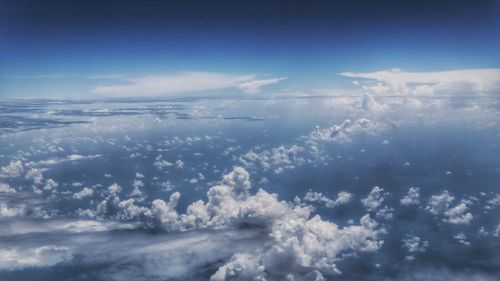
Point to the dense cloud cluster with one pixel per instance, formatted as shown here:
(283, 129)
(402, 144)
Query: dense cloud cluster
(297, 245)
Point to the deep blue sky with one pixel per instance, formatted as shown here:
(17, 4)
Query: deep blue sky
(307, 41)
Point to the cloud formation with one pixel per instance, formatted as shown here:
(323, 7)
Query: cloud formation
(399, 82)
(189, 81)
(295, 245)
(13, 258)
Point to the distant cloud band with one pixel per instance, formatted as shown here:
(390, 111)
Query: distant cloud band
(161, 85)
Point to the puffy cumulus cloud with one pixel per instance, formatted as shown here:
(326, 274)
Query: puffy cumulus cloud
(343, 197)
(412, 197)
(137, 185)
(164, 213)
(277, 159)
(493, 202)
(179, 164)
(50, 185)
(85, 192)
(342, 133)
(458, 214)
(18, 258)
(294, 243)
(462, 239)
(385, 213)
(114, 189)
(300, 249)
(242, 266)
(183, 82)
(5, 188)
(7, 211)
(310, 149)
(35, 174)
(113, 207)
(239, 180)
(462, 81)
(413, 244)
(441, 205)
(161, 163)
(438, 204)
(13, 169)
(374, 199)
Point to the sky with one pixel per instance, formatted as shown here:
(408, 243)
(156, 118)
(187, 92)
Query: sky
(250, 140)
(74, 49)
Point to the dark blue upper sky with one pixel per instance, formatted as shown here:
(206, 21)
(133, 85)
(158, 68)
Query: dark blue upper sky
(307, 41)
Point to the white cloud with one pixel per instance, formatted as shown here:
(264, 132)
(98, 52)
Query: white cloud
(438, 204)
(293, 244)
(183, 82)
(412, 198)
(278, 158)
(458, 215)
(85, 192)
(253, 86)
(370, 105)
(35, 174)
(342, 198)
(462, 239)
(5, 188)
(137, 185)
(385, 213)
(396, 81)
(161, 163)
(179, 164)
(77, 157)
(7, 211)
(495, 201)
(374, 199)
(13, 169)
(50, 185)
(14, 258)
(414, 244)
(342, 133)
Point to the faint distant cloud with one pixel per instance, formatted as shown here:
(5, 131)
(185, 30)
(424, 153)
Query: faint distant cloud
(253, 86)
(158, 85)
(397, 81)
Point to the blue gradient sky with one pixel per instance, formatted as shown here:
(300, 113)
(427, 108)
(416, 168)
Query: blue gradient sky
(50, 48)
